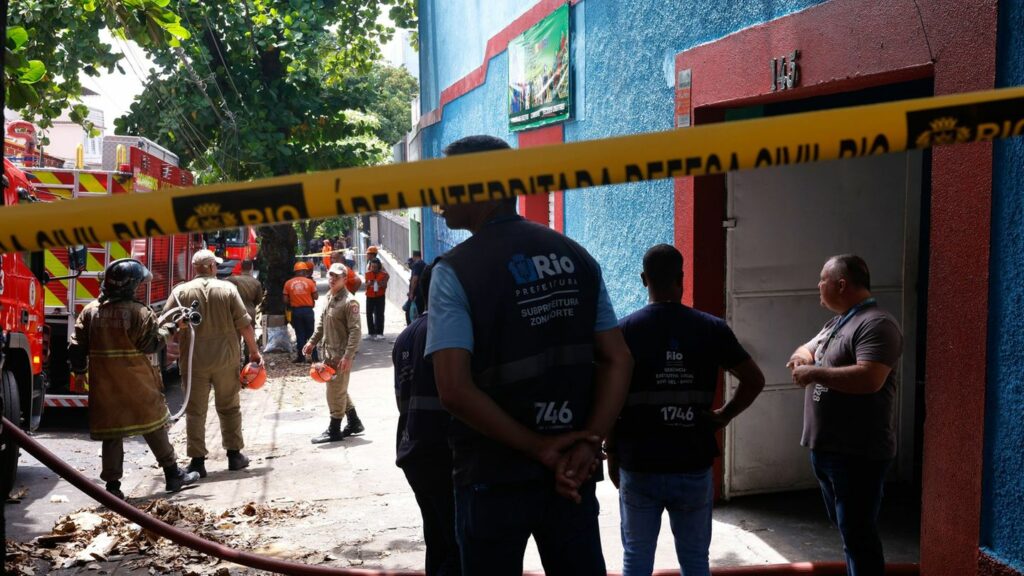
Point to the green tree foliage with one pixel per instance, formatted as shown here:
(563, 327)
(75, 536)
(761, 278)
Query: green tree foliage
(50, 42)
(262, 89)
(385, 92)
(335, 227)
(319, 228)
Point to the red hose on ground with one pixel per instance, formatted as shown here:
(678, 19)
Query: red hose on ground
(77, 479)
(800, 568)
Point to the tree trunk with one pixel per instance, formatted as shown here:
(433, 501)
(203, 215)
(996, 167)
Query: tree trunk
(306, 229)
(277, 256)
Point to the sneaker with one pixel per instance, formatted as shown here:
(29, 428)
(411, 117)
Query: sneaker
(237, 460)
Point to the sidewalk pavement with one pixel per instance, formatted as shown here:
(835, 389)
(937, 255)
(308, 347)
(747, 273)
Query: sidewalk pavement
(370, 518)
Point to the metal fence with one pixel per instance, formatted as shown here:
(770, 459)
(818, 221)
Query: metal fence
(394, 235)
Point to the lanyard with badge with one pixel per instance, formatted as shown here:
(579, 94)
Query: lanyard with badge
(819, 356)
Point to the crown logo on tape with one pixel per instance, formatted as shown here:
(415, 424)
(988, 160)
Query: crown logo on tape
(943, 131)
(208, 216)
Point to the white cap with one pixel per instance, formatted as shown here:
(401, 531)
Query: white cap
(338, 269)
(204, 256)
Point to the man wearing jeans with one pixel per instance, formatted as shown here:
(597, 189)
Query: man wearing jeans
(849, 403)
(662, 448)
(529, 359)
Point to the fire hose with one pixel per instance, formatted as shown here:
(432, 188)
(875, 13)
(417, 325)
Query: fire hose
(187, 539)
(192, 316)
(94, 491)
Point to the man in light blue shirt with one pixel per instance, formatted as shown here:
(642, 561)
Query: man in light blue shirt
(529, 359)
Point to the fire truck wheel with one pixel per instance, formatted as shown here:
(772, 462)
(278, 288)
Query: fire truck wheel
(11, 411)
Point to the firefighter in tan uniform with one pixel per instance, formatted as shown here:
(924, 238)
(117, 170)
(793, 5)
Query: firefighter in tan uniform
(251, 291)
(340, 329)
(214, 362)
(112, 338)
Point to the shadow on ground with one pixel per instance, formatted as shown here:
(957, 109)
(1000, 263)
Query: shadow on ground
(795, 524)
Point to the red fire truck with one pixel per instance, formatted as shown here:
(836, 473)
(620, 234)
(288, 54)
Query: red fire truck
(77, 271)
(130, 165)
(232, 244)
(24, 335)
(42, 292)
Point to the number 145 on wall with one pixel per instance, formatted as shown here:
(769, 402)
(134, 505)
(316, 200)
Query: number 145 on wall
(786, 71)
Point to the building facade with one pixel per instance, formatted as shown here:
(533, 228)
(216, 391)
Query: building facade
(941, 229)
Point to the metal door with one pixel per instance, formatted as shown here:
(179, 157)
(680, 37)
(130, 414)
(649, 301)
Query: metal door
(783, 223)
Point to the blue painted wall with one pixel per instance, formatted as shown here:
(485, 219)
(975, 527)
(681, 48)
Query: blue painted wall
(1002, 522)
(456, 39)
(623, 57)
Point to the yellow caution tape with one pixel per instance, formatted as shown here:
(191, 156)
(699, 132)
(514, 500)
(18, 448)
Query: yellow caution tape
(852, 132)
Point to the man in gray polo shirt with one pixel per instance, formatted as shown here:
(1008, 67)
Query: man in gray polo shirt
(849, 400)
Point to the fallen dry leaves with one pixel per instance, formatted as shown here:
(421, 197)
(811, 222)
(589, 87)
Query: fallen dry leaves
(96, 535)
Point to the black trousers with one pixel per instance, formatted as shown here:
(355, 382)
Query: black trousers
(494, 522)
(375, 315)
(303, 322)
(432, 485)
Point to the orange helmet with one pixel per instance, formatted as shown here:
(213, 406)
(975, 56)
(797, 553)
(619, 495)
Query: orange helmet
(321, 372)
(371, 250)
(253, 376)
(300, 266)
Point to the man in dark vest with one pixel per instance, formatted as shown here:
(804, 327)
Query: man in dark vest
(422, 443)
(664, 440)
(528, 357)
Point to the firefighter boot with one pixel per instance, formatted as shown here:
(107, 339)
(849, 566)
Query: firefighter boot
(237, 460)
(332, 434)
(354, 425)
(197, 465)
(115, 489)
(177, 478)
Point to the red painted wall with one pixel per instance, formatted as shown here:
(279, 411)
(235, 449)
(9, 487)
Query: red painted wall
(847, 45)
(954, 433)
(535, 208)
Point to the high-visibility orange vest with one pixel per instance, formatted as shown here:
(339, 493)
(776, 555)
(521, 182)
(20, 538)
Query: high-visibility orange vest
(376, 284)
(327, 254)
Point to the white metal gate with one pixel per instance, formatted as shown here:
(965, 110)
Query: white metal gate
(783, 223)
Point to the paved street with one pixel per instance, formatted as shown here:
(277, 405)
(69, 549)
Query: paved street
(369, 516)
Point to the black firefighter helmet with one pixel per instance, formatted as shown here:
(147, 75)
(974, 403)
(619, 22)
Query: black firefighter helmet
(122, 277)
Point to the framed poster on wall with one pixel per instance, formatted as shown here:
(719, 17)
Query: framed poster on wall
(539, 90)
